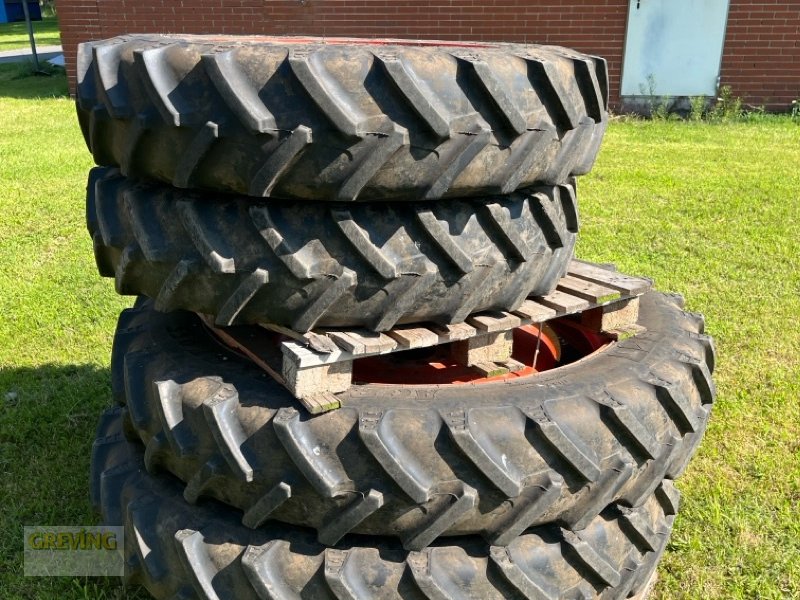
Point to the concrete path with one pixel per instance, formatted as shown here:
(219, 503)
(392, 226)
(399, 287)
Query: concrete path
(24, 54)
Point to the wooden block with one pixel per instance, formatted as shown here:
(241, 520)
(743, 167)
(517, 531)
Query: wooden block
(489, 369)
(414, 337)
(320, 403)
(453, 333)
(563, 303)
(491, 322)
(490, 347)
(588, 290)
(612, 316)
(628, 331)
(311, 381)
(535, 312)
(633, 286)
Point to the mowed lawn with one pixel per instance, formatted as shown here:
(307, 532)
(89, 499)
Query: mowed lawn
(15, 35)
(709, 210)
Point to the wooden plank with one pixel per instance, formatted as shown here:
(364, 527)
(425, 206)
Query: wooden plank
(534, 312)
(414, 337)
(320, 343)
(373, 342)
(491, 322)
(588, 290)
(320, 403)
(253, 347)
(490, 369)
(602, 265)
(563, 303)
(633, 286)
(347, 343)
(453, 333)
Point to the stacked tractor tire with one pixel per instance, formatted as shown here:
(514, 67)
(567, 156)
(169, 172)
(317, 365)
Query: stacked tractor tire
(307, 183)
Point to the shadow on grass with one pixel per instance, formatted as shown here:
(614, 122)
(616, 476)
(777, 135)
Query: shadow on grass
(17, 80)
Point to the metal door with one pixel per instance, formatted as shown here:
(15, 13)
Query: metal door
(673, 47)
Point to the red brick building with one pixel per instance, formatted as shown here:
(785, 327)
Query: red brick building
(759, 39)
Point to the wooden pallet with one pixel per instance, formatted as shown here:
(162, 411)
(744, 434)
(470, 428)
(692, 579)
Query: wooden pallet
(316, 366)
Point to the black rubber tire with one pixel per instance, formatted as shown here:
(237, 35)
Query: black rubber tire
(310, 264)
(419, 462)
(306, 118)
(180, 551)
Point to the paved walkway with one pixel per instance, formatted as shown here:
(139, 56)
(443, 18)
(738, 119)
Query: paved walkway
(24, 54)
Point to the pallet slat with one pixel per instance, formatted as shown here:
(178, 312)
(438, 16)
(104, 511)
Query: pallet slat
(453, 333)
(563, 303)
(534, 312)
(361, 341)
(588, 290)
(320, 343)
(320, 403)
(414, 337)
(347, 343)
(494, 321)
(375, 343)
(632, 286)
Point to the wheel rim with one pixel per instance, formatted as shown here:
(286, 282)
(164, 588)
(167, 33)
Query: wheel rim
(559, 344)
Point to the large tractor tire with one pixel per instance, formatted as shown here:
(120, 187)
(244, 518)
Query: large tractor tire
(418, 462)
(310, 264)
(180, 551)
(341, 119)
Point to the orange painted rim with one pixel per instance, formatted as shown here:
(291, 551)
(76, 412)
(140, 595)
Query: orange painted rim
(561, 342)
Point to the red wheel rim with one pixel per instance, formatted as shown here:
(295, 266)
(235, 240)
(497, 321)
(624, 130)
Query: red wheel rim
(435, 365)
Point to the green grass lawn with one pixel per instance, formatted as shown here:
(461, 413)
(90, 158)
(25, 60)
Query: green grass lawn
(710, 210)
(15, 35)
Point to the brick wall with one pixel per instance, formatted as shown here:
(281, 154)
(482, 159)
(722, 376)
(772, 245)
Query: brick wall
(761, 60)
(595, 26)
